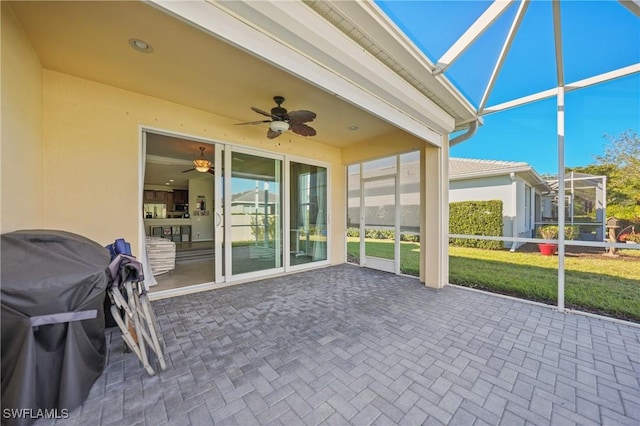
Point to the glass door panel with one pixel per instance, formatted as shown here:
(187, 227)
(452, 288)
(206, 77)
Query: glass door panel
(255, 213)
(378, 228)
(354, 197)
(308, 213)
(218, 207)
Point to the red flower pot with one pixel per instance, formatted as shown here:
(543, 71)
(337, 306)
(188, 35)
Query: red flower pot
(548, 249)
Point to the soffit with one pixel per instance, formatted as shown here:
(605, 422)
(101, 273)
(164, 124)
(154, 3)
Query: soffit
(371, 29)
(188, 66)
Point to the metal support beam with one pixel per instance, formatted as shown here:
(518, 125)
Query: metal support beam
(561, 199)
(569, 87)
(517, 20)
(493, 12)
(632, 5)
(557, 36)
(557, 33)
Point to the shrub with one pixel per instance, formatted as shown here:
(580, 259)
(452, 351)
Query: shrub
(550, 232)
(476, 218)
(412, 238)
(353, 232)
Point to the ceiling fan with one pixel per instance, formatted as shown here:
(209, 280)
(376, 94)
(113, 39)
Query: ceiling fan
(281, 120)
(201, 163)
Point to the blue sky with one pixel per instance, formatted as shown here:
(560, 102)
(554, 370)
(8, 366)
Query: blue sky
(598, 36)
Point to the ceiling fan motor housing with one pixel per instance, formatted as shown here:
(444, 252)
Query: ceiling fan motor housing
(278, 110)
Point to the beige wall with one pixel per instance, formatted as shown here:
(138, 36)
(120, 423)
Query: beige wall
(390, 144)
(91, 134)
(21, 155)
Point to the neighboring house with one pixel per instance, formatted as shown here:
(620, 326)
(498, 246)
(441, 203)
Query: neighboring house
(516, 184)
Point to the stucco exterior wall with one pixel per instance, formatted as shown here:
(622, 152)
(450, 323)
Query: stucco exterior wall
(92, 140)
(390, 144)
(22, 160)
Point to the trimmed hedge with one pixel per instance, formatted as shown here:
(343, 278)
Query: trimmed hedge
(476, 218)
(383, 234)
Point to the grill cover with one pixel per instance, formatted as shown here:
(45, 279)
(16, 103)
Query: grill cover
(53, 344)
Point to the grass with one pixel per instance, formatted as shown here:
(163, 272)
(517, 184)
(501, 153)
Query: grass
(608, 286)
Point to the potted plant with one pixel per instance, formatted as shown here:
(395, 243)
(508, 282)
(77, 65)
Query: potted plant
(632, 238)
(548, 232)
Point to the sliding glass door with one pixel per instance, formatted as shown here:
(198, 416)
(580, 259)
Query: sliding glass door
(248, 214)
(254, 214)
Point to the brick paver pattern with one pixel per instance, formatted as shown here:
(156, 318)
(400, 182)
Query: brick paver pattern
(346, 345)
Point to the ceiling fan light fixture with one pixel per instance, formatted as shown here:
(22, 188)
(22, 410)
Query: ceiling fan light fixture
(279, 126)
(201, 163)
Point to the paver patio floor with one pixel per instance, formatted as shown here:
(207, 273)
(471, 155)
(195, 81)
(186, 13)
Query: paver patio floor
(348, 345)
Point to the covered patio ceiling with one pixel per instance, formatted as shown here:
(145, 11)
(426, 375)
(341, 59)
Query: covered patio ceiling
(193, 65)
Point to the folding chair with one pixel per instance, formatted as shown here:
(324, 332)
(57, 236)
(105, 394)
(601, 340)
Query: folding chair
(132, 311)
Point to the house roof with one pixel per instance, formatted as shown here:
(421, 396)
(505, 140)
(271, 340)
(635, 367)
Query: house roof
(469, 168)
(249, 197)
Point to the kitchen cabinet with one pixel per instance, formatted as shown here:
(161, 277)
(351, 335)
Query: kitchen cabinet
(176, 230)
(180, 196)
(168, 200)
(155, 196)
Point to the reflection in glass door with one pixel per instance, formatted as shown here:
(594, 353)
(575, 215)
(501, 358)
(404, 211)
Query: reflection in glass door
(308, 213)
(254, 213)
(378, 231)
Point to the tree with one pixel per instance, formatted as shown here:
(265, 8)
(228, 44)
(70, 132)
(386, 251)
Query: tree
(621, 164)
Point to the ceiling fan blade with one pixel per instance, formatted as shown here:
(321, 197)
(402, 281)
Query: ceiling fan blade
(211, 170)
(254, 122)
(302, 116)
(272, 134)
(189, 170)
(302, 129)
(268, 114)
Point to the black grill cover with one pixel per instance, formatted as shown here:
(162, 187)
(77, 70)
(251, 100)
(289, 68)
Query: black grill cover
(51, 354)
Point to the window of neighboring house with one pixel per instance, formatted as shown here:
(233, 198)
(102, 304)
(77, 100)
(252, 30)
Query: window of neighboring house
(527, 207)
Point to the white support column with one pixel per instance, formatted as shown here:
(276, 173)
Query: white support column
(434, 215)
(561, 199)
(560, 117)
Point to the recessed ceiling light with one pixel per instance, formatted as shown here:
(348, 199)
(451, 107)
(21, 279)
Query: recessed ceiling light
(167, 183)
(353, 127)
(140, 45)
(170, 180)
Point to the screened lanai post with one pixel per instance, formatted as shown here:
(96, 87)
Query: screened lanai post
(560, 119)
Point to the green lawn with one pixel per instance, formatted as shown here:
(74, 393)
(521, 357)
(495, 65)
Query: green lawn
(609, 286)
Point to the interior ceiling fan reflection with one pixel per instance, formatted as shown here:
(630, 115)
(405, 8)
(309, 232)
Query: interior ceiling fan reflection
(281, 120)
(201, 163)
